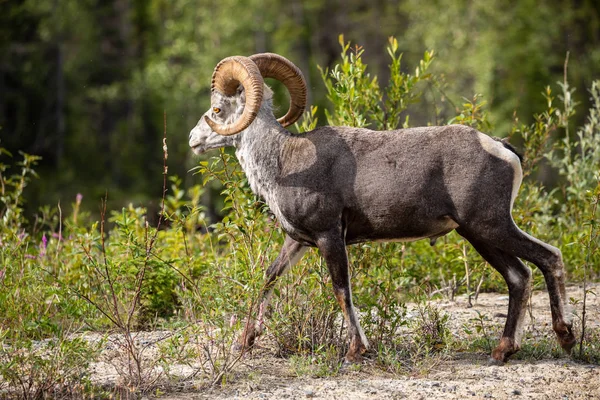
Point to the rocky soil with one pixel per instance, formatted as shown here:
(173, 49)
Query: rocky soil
(460, 375)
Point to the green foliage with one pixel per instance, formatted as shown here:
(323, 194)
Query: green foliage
(561, 213)
(376, 289)
(38, 354)
(323, 362)
(12, 189)
(473, 114)
(357, 98)
(431, 328)
(305, 318)
(481, 49)
(35, 369)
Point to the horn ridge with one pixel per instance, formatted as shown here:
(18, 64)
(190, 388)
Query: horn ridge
(227, 76)
(274, 66)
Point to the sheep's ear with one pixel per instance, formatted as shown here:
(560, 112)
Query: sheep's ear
(240, 100)
(241, 94)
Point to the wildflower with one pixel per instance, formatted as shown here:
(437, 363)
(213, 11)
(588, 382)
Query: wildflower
(78, 198)
(44, 245)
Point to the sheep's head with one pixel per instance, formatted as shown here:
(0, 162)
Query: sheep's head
(237, 92)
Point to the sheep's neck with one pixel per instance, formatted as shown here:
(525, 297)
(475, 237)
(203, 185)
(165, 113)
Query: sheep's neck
(258, 152)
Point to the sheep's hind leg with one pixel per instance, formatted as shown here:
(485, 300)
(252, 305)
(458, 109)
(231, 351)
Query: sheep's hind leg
(288, 256)
(507, 237)
(549, 260)
(518, 278)
(333, 250)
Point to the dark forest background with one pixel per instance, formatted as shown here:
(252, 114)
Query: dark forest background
(85, 83)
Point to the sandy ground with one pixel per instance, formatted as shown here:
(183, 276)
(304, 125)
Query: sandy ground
(460, 375)
(456, 379)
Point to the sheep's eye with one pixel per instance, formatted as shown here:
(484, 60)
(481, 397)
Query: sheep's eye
(216, 110)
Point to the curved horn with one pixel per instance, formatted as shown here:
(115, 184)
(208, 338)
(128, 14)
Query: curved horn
(275, 66)
(228, 75)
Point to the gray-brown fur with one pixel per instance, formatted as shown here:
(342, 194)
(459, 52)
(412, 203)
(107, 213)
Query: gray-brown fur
(336, 186)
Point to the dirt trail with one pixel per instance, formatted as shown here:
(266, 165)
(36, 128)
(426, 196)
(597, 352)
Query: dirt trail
(456, 379)
(464, 376)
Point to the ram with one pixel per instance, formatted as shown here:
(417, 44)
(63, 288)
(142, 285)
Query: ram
(336, 186)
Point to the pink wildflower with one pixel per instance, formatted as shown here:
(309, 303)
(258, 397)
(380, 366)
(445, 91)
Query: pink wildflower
(44, 245)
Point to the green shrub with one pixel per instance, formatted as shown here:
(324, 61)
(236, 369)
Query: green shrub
(39, 352)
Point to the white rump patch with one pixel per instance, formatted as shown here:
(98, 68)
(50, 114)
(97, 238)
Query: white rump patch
(498, 150)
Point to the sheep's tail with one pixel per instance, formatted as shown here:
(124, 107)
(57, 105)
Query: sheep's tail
(510, 147)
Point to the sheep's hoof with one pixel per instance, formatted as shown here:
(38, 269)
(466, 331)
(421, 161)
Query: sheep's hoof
(352, 359)
(355, 353)
(352, 364)
(566, 338)
(245, 341)
(493, 362)
(505, 349)
(567, 346)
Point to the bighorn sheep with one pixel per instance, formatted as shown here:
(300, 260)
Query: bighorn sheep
(336, 186)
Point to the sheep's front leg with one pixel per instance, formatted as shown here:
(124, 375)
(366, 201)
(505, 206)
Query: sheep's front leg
(289, 255)
(333, 250)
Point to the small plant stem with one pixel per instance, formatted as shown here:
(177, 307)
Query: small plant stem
(481, 320)
(150, 241)
(467, 275)
(2, 187)
(530, 311)
(454, 287)
(59, 230)
(113, 292)
(566, 99)
(478, 290)
(185, 243)
(174, 268)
